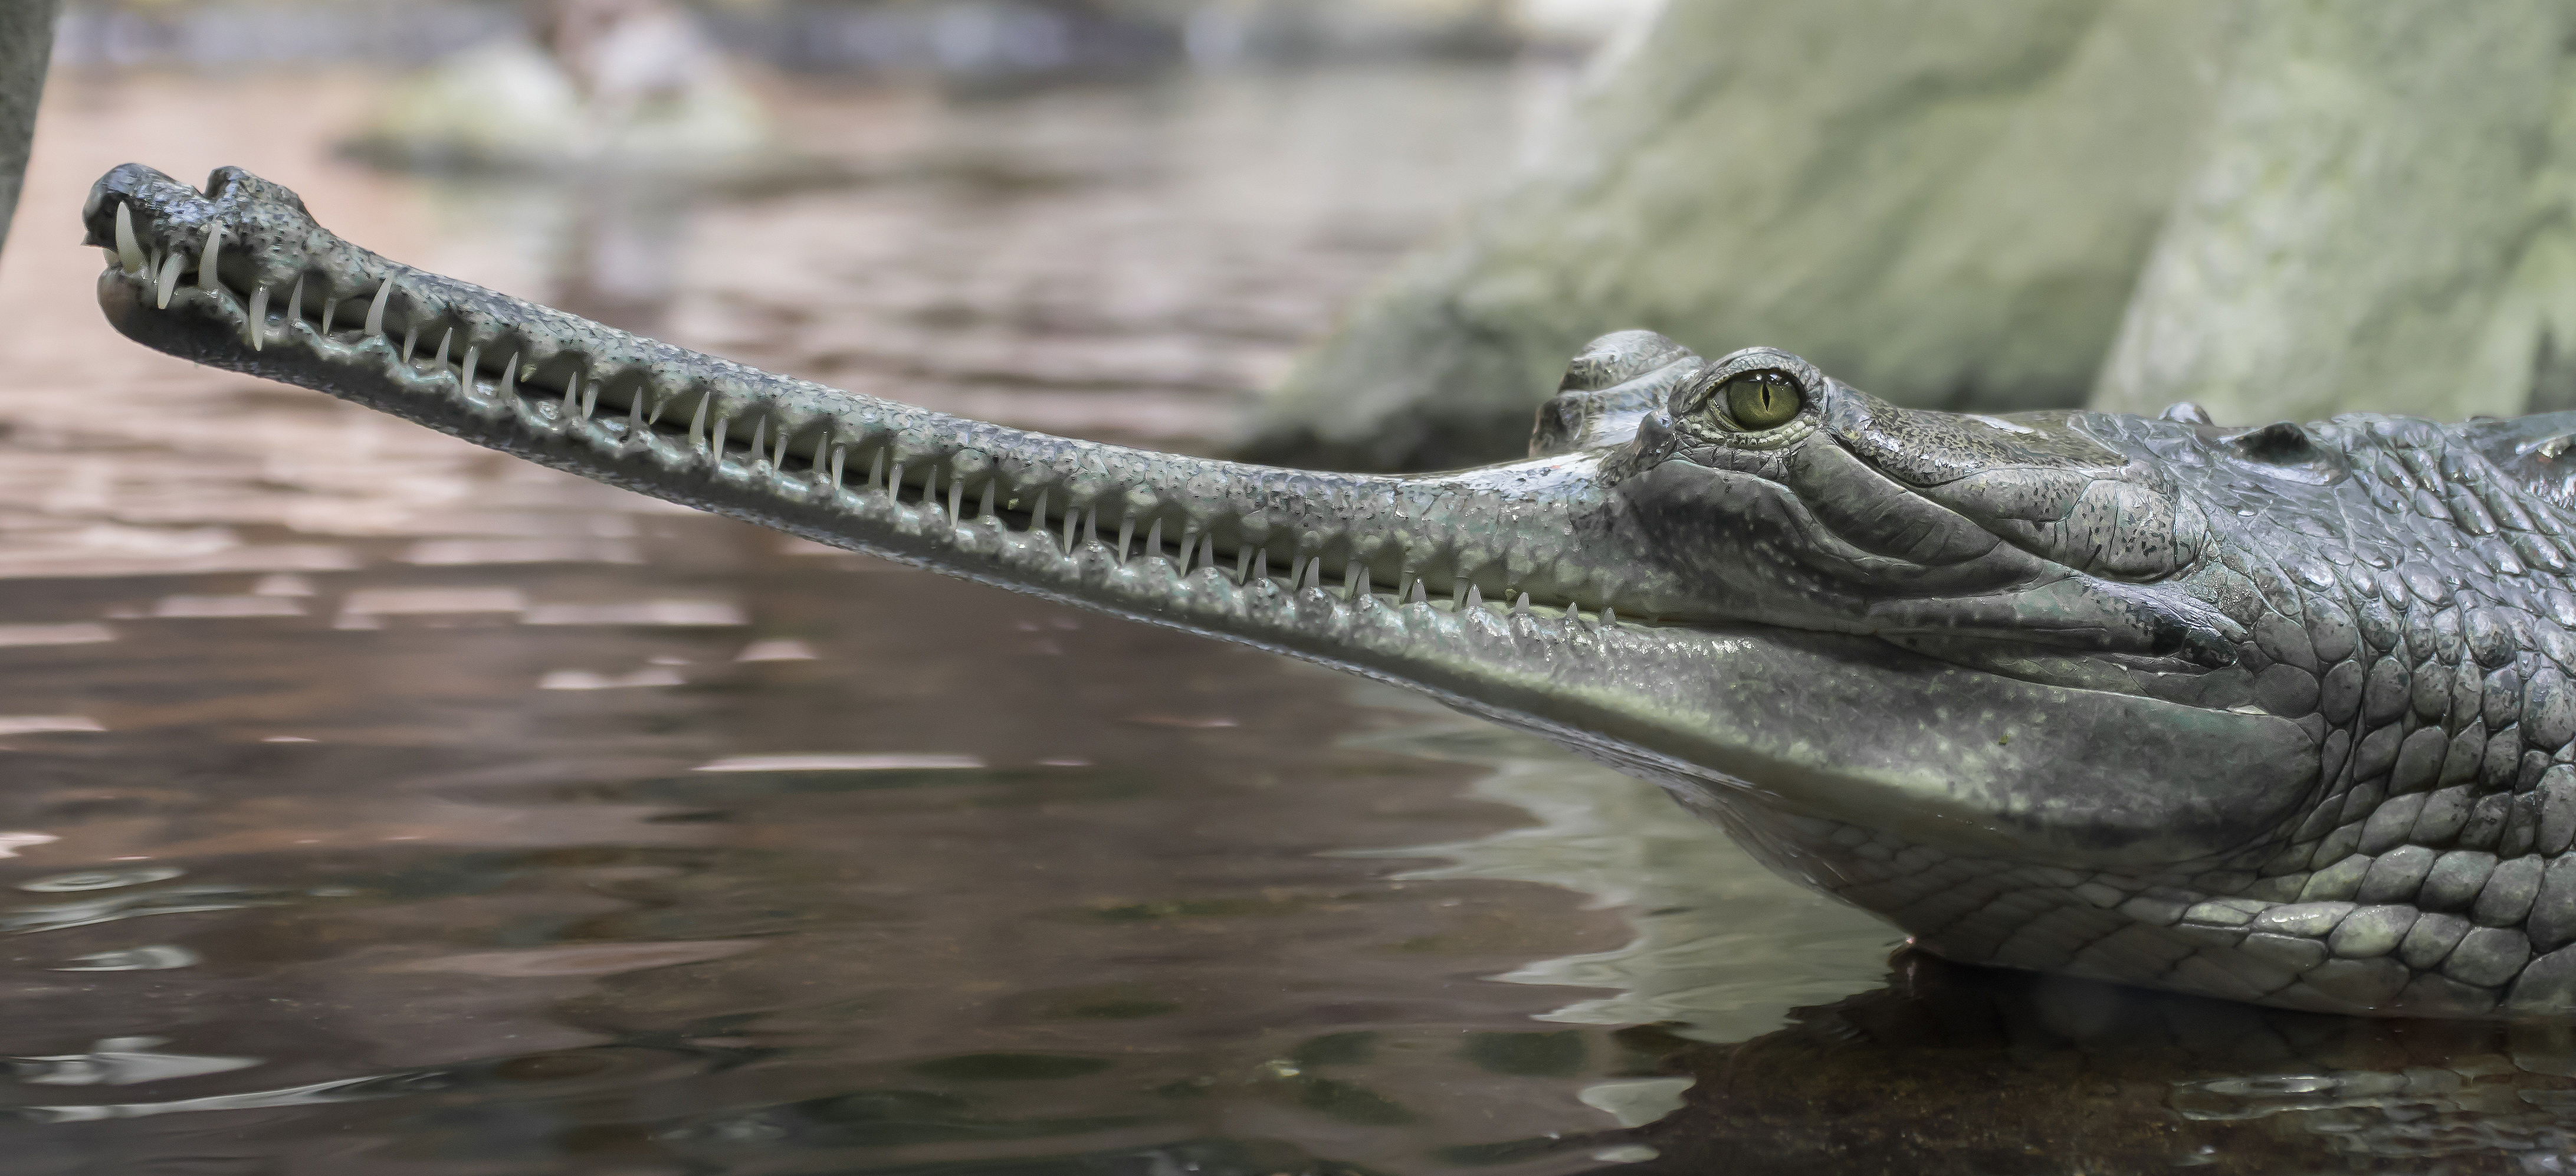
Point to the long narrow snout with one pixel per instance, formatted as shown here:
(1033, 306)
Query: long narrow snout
(1516, 591)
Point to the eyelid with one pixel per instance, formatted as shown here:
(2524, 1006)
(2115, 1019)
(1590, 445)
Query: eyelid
(1694, 394)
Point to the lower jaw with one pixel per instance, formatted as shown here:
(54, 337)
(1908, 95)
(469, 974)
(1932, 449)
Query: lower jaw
(1415, 641)
(1794, 716)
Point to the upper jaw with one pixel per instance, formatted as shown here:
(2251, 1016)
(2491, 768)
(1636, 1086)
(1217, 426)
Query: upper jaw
(1490, 588)
(572, 392)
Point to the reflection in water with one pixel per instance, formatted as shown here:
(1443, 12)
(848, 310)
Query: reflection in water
(119, 1061)
(1942, 1068)
(1723, 947)
(501, 821)
(374, 804)
(150, 957)
(1963, 1070)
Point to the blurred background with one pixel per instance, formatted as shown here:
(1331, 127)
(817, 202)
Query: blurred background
(373, 803)
(1003, 208)
(370, 802)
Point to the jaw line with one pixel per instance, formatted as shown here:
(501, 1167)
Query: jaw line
(1826, 725)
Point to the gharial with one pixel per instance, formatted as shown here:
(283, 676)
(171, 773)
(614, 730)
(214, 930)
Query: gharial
(2282, 714)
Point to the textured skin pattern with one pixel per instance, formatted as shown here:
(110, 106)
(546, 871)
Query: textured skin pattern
(2277, 714)
(2413, 616)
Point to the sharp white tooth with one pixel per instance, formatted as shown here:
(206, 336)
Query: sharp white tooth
(1071, 513)
(1037, 516)
(411, 339)
(1243, 566)
(376, 309)
(1315, 573)
(258, 316)
(438, 361)
(1457, 594)
(956, 497)
(330, 306)
(129, 252)
(876, 469)
(168, 281)
(1609, 616)
(1189, 544)
(206, 261)
(510, 379)
(1355, 580)
(1521, 605)
(635, 422)
(1126, 536)
(1421, 594)
(1475, 596)
(590, 400)
(984, 510)
(572, 401)
(894, 484)
(930, 486)
(698, 423)
(837, 454)
(465, 370)
(717, 446)
(1207, 545)
(759, 442)
(1260, 567)
(294, 307)
(1154, 540)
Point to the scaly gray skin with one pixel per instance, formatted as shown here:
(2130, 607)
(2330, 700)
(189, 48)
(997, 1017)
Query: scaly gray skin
(2276, 714)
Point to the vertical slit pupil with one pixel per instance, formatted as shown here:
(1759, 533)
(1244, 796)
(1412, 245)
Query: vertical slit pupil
(1761, 400)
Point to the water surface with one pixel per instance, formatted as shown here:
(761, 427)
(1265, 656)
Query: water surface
(372, 803)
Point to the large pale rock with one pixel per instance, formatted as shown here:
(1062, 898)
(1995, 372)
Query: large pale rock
(627, 86)
(2379, 219)
(1945, 204)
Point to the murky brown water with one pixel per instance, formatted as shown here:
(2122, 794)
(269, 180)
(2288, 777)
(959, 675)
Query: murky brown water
(449, 814)
(376, 804)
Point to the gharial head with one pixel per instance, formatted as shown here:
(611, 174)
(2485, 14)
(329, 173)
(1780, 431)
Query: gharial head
(2090, 644)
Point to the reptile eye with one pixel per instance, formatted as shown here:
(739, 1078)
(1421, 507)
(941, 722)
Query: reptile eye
(1761, 400)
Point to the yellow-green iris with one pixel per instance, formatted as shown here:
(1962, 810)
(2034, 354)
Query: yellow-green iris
(1761, 400)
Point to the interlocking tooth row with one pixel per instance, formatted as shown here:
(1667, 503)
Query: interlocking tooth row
(826, 464)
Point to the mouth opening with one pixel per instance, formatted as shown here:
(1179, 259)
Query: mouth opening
(222, 285)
